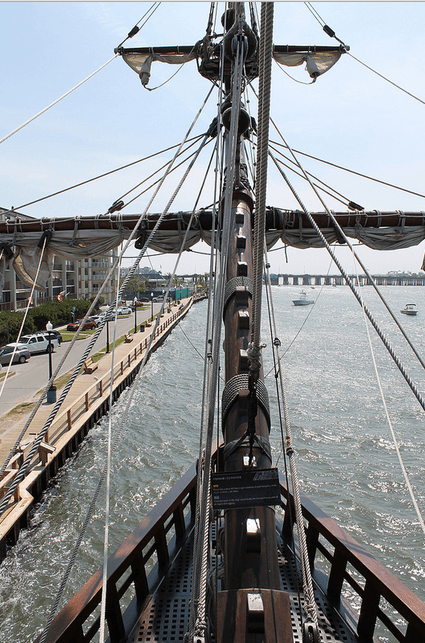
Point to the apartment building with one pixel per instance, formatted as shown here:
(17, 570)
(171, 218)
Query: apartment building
(80, 279)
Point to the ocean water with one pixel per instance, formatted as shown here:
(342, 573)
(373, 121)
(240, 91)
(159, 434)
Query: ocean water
(346, 461)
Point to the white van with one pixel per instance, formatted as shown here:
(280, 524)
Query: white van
(39, 343)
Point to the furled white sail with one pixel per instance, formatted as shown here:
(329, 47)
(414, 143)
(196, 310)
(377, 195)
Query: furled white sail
(317, 62)
(141, 63)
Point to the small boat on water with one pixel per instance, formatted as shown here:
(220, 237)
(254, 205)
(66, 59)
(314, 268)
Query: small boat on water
(302, 300)
(410, 309)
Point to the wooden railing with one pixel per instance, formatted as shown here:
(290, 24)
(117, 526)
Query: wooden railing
(383, 601)
(153, 544)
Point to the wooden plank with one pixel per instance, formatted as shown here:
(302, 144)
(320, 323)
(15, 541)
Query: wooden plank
(239, 620)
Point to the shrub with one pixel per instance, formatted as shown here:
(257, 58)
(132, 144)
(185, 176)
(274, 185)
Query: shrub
(57, 312)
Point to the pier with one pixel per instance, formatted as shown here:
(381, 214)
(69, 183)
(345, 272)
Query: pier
(87, 401)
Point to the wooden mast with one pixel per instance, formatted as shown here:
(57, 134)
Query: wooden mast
(250, 606)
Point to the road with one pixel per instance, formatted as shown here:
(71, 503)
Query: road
(31, 377)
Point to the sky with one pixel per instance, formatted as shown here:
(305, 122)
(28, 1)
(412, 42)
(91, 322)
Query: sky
(350, 116)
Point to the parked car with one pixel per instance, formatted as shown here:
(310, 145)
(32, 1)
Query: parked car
(53, 332)
(21, 355)
(124, 310)
(109, 317)
(40, 343)
(94, 318)
(89, 325)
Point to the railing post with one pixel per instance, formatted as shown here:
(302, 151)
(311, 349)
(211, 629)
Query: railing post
(312, 535)
(113, 615)
(368, 612)
(87, 401)
(336, 577)
(412, 634)
(68, 417)
(288, 522)
(139, 578)
(179, 522)
(161, 547)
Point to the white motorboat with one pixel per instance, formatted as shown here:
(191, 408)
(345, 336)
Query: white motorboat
(302, 300)
(409, 309)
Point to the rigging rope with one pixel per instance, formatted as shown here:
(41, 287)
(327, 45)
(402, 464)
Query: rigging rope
(151, 89)
(204, 457)
(309, 600)
(56, 101)
(136, 27)
(176, 167)
(345, 169)
(108, 473)
(306, 176)
(305, 320)
(24, 467)
(387, 79)
(330, 32)
(344, 200)
(393, 435)
(348, 281)
(132, 391)
(339, 167)
(101, 176)
(264, 82)
(296, 80)
(372, 281)
(200, 552)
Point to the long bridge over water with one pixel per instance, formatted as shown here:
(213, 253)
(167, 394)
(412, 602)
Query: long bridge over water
(390, 279)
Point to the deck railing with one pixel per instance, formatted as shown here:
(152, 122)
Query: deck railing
(374, 598)
(347, 562)
(153, 545)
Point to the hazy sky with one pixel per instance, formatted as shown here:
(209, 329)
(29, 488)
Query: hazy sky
(349, 116)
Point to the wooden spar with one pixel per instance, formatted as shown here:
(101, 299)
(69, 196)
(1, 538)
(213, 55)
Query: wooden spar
(173, 221)
(276, 220)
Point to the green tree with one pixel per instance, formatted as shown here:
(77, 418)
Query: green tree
(135, 285)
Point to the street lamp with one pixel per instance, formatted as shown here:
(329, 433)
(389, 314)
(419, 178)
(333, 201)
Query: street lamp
(51, 393)
(152, 306)
(135, 314)
(107, 335)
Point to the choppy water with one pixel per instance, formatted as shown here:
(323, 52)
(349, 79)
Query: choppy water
(347, 461)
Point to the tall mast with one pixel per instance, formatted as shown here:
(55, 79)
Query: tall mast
(251, 585)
